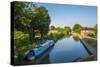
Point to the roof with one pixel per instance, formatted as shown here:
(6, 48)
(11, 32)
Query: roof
(87, 28)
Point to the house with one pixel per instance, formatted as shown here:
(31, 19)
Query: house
(87, 32)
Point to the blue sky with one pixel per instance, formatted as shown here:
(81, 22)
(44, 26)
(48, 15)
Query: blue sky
(68, 15)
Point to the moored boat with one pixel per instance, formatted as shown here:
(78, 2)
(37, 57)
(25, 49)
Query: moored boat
(36, 52)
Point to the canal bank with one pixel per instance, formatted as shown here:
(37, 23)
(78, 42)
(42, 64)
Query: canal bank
(90, 49)
(86, 47)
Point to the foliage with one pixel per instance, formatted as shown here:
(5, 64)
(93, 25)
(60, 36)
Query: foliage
(91, 42)
(95, 29)
(21, 44)
(52, 28)
(27, 19)
(56, 36)
(89, 58)
(77, 28)
(41, 21)
(23, 16)
(67, 29)
(61, 32)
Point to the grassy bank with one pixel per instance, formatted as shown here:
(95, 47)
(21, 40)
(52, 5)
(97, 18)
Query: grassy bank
(89, 58)
(91, 42)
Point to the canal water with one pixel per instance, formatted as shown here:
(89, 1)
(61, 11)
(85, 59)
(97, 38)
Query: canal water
(67, 50)
(64, 50)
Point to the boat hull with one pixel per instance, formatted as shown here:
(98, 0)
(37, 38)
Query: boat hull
(37, 52)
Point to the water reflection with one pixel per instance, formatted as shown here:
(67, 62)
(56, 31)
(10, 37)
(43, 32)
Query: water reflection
(68, 35)
(67, 50)
(76, 38)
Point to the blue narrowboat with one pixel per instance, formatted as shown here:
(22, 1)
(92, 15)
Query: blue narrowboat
(36, 52)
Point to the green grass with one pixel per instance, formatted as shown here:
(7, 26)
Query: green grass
(91, 42)
(89, 58)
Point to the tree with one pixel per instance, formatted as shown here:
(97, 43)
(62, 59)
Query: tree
(77, 28)
(67, 29)
(52, 27)
(95, 29)
(28, 18)
(41, 21)
(23, 13)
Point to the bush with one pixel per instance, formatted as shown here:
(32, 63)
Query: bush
(56, 36)
(21, 45)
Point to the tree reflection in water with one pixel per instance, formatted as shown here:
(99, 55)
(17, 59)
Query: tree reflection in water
(76, 38)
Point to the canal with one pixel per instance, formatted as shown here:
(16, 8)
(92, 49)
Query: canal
(64, 50)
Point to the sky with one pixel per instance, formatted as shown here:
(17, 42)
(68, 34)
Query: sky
(68, 15)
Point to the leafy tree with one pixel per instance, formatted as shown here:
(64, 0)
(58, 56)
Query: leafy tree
(77, 28)
(67, 29)
(41, 21)
(23, 13)
(95, 29)
(52, 27)
(28, 18)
